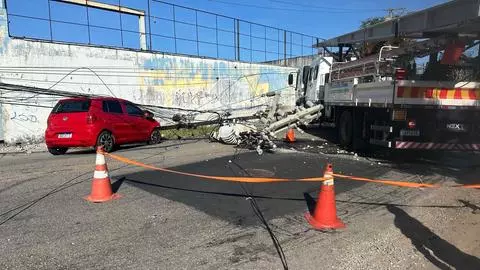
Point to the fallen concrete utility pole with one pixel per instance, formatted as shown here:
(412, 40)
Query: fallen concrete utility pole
(304, 116)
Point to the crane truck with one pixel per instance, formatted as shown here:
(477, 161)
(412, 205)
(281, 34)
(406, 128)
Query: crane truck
(380, 100)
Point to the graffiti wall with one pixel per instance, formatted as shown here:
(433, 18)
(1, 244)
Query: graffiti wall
(144, 78)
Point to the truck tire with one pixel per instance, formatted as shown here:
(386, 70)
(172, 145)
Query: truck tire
(345, 129)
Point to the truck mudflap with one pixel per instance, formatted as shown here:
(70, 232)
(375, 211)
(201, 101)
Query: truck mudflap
(437, 146)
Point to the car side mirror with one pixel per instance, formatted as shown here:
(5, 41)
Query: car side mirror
(148, 115)
(290, 79)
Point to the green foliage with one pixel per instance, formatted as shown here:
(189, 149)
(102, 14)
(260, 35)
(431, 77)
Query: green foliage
(371, 21)
(188, 133)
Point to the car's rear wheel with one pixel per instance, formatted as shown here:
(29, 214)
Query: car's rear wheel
(56, 151)
(155, 137)
(106, 140)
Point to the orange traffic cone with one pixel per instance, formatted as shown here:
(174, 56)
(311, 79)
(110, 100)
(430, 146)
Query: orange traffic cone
(101, 186)
(290, 136)
(325, 214)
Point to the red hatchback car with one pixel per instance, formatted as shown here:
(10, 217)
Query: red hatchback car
(90, 122)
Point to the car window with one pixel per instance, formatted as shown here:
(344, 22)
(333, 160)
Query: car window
(70, 106)
(315, 75)
(133, 110)
(112, 106)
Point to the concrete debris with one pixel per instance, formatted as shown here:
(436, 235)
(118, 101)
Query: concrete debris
(258, 141)
(230, 133)
(244, 135)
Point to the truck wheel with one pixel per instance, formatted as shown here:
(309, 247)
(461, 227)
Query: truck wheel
(345, 129)
(106, 140)
(56, 151)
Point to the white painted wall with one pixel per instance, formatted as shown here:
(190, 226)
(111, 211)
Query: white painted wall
(141, 77)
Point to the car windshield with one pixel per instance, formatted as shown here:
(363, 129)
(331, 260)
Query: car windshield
(70, 106)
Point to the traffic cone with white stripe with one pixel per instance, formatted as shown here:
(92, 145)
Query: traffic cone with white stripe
(101, 186)
(325, 213)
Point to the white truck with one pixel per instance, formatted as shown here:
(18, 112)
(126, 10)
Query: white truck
(374, 101)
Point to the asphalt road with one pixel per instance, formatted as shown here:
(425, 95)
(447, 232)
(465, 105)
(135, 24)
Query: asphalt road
(169, 221)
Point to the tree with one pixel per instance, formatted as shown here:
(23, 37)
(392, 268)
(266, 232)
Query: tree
(371, 21)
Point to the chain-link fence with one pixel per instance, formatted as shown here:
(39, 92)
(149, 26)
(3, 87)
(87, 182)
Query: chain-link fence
(157, 26)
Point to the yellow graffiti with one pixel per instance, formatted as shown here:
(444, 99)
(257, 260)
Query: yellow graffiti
(172, 83)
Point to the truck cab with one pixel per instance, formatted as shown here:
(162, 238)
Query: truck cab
(311, 81)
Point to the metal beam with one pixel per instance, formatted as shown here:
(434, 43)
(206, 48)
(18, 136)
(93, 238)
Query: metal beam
(454, 17)
(104, 6)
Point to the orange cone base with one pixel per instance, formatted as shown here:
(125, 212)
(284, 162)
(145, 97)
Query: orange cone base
(90, 198)
(101, 191)
(335, 224)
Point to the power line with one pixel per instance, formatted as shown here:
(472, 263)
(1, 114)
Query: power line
(285, 9)
(133, 74)
(325, 7)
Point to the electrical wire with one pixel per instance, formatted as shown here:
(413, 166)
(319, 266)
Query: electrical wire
(310, 10)
(257, 211)
(325, 7)
(63, 186)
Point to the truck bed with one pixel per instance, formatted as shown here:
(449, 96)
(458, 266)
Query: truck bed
(404, 93)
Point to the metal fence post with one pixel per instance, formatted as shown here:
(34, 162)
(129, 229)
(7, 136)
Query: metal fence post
(301, 36)
(234, 39)
(291, 44)
(174, 28)
(238, 40)
(265, 41)
(216, 33)
(251, 46)
(121, 24)
(50, 21)
(149, 26)
(88, 25)
(196, 28)
(285, 47)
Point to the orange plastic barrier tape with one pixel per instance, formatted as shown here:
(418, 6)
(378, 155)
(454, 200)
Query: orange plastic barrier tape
(272, 180)
(470, 186)
(221, 178)
(388, 182)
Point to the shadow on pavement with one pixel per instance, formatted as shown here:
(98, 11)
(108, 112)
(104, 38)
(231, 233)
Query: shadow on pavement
(462, 166)
(208, 196)
(438, 251)
(117, 184)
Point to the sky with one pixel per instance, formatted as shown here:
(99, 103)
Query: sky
(323, 19)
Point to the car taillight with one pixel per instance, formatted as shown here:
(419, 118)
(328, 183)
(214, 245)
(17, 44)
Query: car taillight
(412, 124)
(91, 118)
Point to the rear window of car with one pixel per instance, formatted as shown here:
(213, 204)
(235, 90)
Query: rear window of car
(70, 106)
(112, 106)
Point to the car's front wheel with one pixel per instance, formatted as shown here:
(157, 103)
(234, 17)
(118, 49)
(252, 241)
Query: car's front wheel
(56, 151)
(106, 140)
